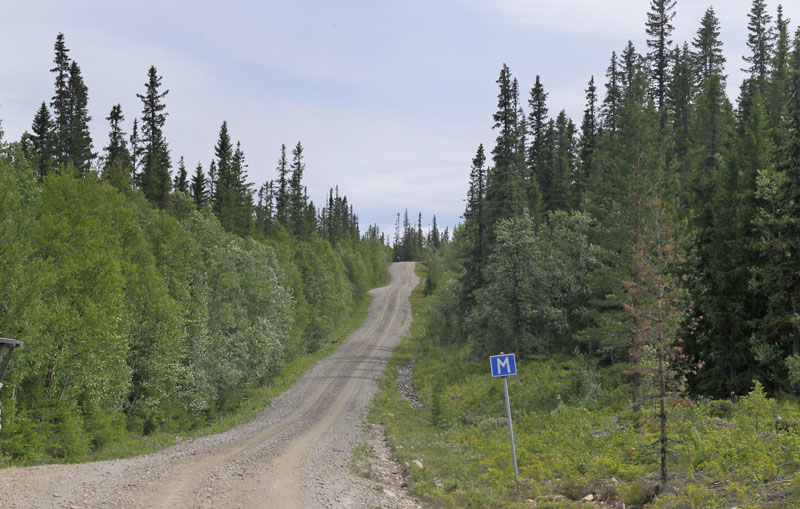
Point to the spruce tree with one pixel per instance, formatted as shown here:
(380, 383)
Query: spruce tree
(243, 194)
(181, 183)
(679, 104)
(659, 29)
(778, 273)
(296, 198)
(588, 144)
(42, 142)
(79, 140)
(155, 178)
(537, 124)
(282, 190)
(779, 80)
(198, 186)
(223, 201)
(760, 43)
(708, 57)
(117, 161)
(612, 102)
(61, 102)
(631, 65)
(504, 194)
(136, 153)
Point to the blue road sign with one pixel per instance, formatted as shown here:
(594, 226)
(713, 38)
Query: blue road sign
(503, 365)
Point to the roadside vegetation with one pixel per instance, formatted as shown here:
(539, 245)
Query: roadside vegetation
(153, 306)
(576, 434)
(642, 264)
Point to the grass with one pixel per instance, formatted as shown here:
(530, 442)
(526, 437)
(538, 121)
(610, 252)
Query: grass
(252, 401)
(576, 435)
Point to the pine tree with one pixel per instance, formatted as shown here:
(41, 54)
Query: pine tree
(708, 57)
(42, 142)
(588, 144)
(612, 102)
(198, 187)
(659, 29)
(181, 183)
(760, 43)
(155, 178)
(117, 162)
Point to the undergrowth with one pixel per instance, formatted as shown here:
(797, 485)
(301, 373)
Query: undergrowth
(576, 435)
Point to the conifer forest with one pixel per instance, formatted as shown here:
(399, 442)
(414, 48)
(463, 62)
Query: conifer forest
(642, 262)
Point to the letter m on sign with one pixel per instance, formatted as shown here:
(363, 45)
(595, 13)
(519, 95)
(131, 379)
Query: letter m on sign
(503, 365)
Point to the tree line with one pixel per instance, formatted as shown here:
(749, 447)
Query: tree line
(663, 223)
(149, 302)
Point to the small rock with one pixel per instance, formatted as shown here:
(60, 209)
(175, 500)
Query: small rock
(56, 495)
(559, 498)
(418, 464)
(588, 498)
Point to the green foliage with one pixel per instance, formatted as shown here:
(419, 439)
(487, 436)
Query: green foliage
(145, 321)
(575, 434)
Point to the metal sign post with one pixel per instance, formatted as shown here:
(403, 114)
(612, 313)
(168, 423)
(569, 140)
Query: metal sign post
(504, 365)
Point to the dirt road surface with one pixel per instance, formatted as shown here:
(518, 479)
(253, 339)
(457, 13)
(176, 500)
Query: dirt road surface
(294, 454)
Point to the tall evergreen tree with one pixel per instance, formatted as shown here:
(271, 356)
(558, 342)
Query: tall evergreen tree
(631, 65)
(136, 153)
(588, 144)
(42, 142)
(79, 140)
(612, 102)
(679, 103)
(659, 29)
(708, 57)
(155, 178)
(61, 102)
(198, 187)
(504, 194)
(282, 190)
(181, 183)
(297, 201)
(760, 43)
(224, 199)
(537, 124)
(117, 162)
(779, 80)
(778, 274)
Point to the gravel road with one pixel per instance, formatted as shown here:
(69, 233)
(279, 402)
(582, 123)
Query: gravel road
(294, 454)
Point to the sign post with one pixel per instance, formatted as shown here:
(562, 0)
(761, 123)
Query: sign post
(504, 365)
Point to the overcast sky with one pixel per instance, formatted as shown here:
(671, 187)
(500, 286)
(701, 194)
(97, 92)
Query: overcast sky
(389, 98)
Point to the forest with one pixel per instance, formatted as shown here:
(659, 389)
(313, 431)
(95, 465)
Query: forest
(148, 299)
(570, 231)
(642, 264)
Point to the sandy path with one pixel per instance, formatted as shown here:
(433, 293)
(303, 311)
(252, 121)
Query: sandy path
(294, 454)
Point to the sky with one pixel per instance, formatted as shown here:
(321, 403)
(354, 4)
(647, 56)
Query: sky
(390, 98)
